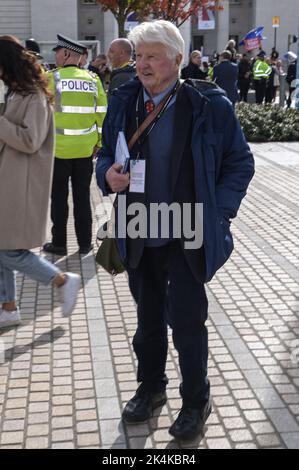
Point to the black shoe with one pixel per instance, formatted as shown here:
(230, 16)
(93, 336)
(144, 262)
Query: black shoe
(141, 406)
(83, 250)
(56, 250)
(190, 422)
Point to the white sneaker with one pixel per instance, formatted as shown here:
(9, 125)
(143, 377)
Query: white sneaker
(9, 318)
(68, 293)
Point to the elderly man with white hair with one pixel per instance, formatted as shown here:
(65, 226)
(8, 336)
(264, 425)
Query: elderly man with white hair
(192, 153)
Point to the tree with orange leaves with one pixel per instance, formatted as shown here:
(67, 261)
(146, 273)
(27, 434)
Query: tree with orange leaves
(122, 8)
(176, 11)
(179, 11)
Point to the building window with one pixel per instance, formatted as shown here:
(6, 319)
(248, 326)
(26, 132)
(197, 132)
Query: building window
(88, 2)
(90, 38)
(198, 42)
(235, 2)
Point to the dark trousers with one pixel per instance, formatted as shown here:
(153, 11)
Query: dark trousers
(244, 88)
(260, 90)
(79, 170)
(289, 100)
(269, 94)
(167, 293)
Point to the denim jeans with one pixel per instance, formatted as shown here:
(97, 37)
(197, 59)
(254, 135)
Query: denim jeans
(27, 263)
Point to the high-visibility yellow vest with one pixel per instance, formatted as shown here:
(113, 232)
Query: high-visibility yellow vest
(261, 70)
(80, 108)
(210, 72)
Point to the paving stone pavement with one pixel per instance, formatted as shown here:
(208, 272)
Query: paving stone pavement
(63, 382)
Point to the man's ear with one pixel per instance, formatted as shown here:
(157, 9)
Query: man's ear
(178, 59)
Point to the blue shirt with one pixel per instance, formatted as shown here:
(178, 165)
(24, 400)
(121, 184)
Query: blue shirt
(158, 164)
(157, 99)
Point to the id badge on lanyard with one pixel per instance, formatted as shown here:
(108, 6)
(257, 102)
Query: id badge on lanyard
(137, 176)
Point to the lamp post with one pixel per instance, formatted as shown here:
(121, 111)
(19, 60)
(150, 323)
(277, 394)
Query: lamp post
(275, 25)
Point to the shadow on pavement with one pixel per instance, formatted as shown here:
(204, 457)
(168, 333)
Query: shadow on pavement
(48, 337)
(132, 432)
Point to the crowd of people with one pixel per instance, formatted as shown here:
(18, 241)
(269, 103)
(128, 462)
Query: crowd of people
(238, 73)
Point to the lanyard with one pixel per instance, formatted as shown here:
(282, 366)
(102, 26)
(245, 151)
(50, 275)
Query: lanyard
(154, 123)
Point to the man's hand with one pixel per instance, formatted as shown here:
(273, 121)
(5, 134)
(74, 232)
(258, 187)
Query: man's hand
(95, 152)
(117, 181)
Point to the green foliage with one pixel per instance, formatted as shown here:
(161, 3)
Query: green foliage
(268, 123)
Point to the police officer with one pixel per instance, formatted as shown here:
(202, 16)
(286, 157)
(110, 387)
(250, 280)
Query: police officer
(261, 72)
(80, 107)
(33, 46)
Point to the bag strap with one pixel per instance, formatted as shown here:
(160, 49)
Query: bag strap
(150, 118)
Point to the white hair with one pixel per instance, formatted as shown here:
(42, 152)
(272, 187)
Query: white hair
(162, 32)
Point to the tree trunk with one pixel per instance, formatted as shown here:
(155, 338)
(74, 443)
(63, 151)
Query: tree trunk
(121, 26)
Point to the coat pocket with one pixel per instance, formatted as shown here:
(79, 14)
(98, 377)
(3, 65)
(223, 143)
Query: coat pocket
(224, 242)
(226, 237)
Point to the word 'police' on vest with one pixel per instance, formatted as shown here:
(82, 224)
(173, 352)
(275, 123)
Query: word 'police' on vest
(84, 86)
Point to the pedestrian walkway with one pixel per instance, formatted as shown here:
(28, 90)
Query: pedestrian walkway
(64, 382)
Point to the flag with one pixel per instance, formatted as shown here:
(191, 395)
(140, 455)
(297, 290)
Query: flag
(252, 40)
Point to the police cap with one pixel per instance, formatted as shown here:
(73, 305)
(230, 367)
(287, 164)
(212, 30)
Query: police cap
(67, 43)
(261, 54)
(32, 46)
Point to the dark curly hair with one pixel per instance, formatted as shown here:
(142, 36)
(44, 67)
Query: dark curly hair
(20, 70)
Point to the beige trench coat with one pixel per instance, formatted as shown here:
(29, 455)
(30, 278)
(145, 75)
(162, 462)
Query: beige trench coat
(26, 165)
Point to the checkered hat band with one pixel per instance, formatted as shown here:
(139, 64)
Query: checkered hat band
(67, 45)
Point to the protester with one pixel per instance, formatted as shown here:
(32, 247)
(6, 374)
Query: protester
(26, 161)
(194, 152)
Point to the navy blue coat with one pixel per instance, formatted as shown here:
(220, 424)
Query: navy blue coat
(225, 75)
(223, 163)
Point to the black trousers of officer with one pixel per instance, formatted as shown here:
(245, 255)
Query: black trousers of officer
(166, 292)
(79, 171)
(260, 90)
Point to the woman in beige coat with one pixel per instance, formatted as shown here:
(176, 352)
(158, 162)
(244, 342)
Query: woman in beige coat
(26, 160)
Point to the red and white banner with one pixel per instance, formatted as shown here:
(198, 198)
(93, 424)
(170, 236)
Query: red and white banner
(251, 44)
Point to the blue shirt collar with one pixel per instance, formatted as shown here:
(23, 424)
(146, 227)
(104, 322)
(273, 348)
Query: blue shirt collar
(157, 99)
